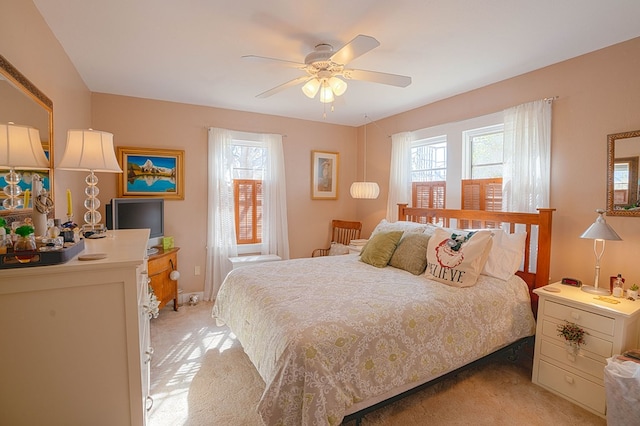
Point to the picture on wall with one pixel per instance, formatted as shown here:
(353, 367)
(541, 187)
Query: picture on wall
(151, 172)
(324, 175)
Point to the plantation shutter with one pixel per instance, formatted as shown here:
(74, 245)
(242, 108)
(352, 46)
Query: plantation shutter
(248, 205)
(481, 194)
(428, 194)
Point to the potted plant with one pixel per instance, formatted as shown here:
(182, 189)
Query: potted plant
(573, 334)
(633, 291)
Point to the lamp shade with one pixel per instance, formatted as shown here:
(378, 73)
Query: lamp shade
(89, 150)
(366, 190)
(337, 85)
(600, 229)
(311, 88)
(21, 148)
(326, 93)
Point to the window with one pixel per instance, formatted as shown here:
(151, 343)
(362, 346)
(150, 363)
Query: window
(484, 149)
(429, 159)
(249, 160)
(484, 160)
(429, 172)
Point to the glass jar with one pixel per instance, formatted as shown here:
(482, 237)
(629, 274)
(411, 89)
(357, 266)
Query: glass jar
(24, 248)
(618, 287)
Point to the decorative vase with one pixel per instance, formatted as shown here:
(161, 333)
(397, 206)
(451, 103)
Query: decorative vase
(572, 347)
(632, 293)
(24, 248)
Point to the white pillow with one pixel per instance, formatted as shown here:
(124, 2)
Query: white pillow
(457, 258)
(402, 225)
(505, 257)
(337, 249)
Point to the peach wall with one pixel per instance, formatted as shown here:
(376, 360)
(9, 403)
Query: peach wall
(599, 94)
(27, 42)
(148, 123)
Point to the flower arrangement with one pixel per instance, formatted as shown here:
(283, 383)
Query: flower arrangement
(572, 333)
(153, 304)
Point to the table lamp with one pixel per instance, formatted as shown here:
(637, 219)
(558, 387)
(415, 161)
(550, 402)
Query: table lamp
(599, 232)
(20, 148)
(90, 150)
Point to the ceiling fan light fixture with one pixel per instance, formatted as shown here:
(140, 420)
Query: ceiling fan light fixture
(326, 93)
(311, 88)
(338, 86)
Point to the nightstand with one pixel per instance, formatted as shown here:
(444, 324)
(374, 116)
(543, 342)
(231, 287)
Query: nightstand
(579, 376)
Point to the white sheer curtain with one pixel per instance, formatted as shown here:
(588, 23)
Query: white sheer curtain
(527, 157)
(399, 174)
(221, 238)
(275, 234)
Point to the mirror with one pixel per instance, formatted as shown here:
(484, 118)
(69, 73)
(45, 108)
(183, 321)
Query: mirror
(623, 189)
(23, 103)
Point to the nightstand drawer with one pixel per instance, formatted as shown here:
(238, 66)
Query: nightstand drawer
(586, 319)
(593, 344)
(572, 386)
(561, 354)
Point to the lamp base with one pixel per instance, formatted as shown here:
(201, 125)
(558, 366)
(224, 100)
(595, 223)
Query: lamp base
(596, 290)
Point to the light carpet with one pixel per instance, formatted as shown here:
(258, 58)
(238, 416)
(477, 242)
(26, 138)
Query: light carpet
(201, 376)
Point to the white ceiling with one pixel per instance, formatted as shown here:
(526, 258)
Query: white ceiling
(190, 51)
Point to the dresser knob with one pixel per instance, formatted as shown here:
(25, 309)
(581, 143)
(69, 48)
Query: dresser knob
(575, 315)
(568, 379)
(571, 358)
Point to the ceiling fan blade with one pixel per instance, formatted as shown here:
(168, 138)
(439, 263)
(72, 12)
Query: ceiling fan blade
(377, 77)
(267, 59)
(360, 45)
(283, 86)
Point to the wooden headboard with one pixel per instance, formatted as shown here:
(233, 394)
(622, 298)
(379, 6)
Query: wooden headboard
(534, 277)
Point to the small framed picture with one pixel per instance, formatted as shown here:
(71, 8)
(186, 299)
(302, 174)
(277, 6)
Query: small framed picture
(150, 172)
(324, 175)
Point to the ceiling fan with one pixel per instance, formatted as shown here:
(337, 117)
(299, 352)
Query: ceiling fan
(323, 67)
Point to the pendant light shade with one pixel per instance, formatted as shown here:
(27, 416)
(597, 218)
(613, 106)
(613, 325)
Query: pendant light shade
(365, 190)
(311, 88)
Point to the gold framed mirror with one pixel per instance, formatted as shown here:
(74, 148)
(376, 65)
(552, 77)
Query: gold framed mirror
(623, 189)
(21, 102)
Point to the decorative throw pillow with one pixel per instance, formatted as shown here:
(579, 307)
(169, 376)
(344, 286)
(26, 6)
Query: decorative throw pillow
(505, 257)
(380, 248)
(411, 253)
(338, 249)
(455, 258)
(401, 225)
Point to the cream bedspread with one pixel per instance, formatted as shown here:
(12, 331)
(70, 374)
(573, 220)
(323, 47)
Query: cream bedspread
(325, 333)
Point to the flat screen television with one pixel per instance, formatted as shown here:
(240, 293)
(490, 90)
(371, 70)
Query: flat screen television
(137, 213)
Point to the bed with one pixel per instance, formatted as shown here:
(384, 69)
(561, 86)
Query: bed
(333, 336)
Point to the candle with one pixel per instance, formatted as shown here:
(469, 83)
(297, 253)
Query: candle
(69, 209)
(26, 198)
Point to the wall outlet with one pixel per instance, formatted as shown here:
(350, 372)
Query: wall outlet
(196, 270)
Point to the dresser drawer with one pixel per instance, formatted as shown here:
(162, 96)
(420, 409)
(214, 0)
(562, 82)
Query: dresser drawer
(594, 345)
(572, 386)
(586, 319)
(560, 354)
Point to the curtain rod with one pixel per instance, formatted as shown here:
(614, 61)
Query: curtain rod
(246, 131)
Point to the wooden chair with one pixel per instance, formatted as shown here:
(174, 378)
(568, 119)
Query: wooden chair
(342, 232)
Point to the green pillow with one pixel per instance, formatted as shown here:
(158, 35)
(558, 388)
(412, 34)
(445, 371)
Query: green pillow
(411, 253)
(380, 248)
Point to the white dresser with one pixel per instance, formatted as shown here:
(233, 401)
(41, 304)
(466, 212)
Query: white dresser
(611, 328)
(74, 338)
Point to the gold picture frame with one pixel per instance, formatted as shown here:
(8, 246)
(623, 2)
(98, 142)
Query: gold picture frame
(324, 175)
(151, 172)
